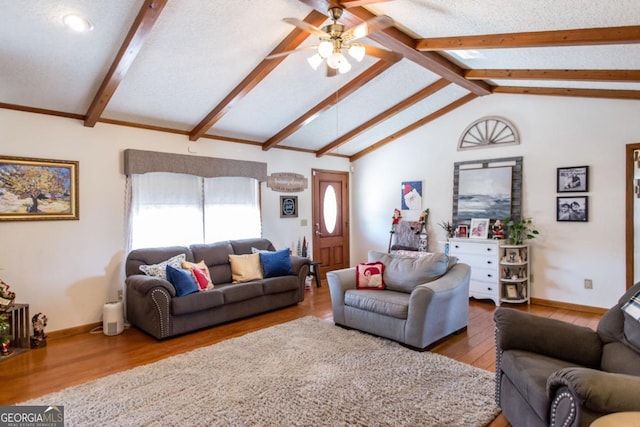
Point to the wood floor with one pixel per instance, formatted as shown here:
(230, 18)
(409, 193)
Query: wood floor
(74, 360)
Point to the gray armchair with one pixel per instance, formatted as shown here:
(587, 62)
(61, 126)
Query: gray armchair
(426, 298)
(553, 373)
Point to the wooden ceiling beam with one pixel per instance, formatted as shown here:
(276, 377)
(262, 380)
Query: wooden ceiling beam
(580, 37)
(423, 121)
(401, 106)
(581, 75)
(333, 99)
(133, 42)
(292, 41)
(583, 93)
(397, 41)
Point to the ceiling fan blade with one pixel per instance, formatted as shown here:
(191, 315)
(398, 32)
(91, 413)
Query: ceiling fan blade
(355, 3)
(289, 52)
(372, 25)
(303, 25)
(387, 55)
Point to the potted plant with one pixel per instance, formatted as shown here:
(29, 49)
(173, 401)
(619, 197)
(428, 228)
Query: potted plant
(446, 226)
(520, 229)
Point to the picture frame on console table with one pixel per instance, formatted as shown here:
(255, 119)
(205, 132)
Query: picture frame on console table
(462, 231)
(38, 189)
(479, 228)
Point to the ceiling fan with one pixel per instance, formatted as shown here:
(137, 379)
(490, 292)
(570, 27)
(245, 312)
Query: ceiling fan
(336, 38)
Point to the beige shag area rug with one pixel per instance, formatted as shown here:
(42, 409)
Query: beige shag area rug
(307, 372)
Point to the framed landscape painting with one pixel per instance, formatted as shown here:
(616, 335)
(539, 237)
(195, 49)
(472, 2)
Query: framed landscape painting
(38, 189)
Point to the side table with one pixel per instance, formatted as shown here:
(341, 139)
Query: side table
(314, 270)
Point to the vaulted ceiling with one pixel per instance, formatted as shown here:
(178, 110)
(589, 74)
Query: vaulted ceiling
(199, 67)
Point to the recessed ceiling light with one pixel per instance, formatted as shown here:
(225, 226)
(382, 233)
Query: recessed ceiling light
(77, 23)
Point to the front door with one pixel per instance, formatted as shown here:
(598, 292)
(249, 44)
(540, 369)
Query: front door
(331, 220)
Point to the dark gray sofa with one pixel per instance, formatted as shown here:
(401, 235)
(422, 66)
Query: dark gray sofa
(554, 373)
(153, 306)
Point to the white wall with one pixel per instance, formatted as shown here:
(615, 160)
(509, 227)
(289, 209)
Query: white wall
(69, 269)
(555, 132)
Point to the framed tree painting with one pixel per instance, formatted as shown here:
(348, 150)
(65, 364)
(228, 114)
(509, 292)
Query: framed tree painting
(38, 189)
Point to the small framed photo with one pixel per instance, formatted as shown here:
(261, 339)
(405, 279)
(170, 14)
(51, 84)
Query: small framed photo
(574, 209)
(288, 206)
(573, 179)
(462, 231)
(479, 228)
(511, 290)
(512, 256)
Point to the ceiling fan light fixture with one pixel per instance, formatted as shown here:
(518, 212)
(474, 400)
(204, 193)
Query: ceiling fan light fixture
(360, 31)
(325, 48)
(344, 66)
(315, 61)
(335, 60)
(357, 52)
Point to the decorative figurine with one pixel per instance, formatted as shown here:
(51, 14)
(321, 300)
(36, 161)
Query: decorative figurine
(498, 231)
(397, 216)
(39, 338)
(5, 335)
(6, 296)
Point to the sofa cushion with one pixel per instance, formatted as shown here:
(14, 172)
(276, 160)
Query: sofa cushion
(403, 274)
(182, 280)
(276, 263)
(529, 373)
(241, 291)
(387, 303)
(276, 285)
(197, 302)
(369, 275)
(216, 257)
(160, 269)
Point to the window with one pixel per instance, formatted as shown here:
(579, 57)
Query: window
(176, 209)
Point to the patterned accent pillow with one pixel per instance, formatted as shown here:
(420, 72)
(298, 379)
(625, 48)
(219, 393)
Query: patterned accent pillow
(201, 268)
(370, 276)
(160, 270)
(202, 280)
(245, 268)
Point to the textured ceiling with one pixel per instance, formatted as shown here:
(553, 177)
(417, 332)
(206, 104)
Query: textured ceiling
(198, 52)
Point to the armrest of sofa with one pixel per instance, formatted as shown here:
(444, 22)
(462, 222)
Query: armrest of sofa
(339, 282)
(298, 262)
(548, 337)
(598, 391)
(143, 284)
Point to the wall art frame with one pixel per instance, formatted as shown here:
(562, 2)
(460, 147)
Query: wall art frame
(573, 179)
(572, 208)
(34, 189)
(288, 206)
(460, 216)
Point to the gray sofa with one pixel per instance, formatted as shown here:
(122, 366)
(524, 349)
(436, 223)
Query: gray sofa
(554, 373)
(425, 299)
(154, 307)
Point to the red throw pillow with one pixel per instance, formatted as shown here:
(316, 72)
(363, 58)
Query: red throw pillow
(369, 275)
(202, 280)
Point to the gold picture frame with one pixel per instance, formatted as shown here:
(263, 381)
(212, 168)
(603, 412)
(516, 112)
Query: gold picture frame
(38, 189)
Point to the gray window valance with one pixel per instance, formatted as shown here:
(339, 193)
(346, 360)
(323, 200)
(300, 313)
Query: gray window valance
(140, 161)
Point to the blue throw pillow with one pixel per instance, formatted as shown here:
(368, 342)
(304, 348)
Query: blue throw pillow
(182, 280)
(276, 263)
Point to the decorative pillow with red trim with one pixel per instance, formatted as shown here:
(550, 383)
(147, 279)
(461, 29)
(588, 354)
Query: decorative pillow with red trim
(369, 276)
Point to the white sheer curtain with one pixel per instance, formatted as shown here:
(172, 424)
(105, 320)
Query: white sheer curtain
(165, 209)
(232, 208)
